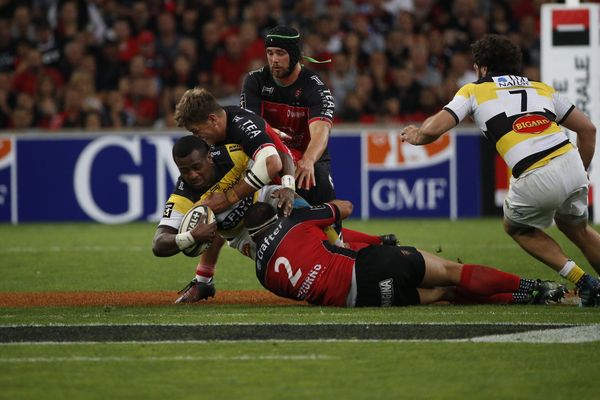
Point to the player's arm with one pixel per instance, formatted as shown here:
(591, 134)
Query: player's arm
(267, 165)
(167, 242)
(319, 137)
(250, 96)
(579, 123)
(433, 127)
(344, 207)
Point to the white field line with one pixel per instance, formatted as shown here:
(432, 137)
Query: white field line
(304, 357)
(576, 334)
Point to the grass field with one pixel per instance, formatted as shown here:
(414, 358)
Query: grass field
(226, 351)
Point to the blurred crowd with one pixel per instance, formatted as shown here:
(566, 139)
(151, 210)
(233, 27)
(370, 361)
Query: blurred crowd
(113, 64)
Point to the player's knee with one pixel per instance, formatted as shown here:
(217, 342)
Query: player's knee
(515, 231)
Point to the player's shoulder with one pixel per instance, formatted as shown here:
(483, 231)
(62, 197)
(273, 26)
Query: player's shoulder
(182, 189)
(259, 75)
(311, 78)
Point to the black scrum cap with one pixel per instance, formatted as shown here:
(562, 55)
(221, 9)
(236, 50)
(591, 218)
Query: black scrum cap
(286, 38)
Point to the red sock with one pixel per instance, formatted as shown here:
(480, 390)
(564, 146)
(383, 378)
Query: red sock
(485, 281)
(355, 236)
(463, 296)
(204, 272)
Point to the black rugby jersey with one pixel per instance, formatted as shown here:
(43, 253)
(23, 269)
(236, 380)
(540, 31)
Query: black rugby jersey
(248, 130)
(291, 108)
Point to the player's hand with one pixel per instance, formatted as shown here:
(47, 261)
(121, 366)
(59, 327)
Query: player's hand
(305, 174)
(409, 134)
(286, 200)
(217, 202)
(204, 233)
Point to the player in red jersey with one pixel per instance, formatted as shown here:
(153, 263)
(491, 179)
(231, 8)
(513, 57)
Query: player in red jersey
(297, 102)
(294, 260)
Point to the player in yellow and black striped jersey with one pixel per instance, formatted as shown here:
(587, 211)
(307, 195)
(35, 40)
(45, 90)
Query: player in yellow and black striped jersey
(206, 170)
(226, 167)
(549, 182)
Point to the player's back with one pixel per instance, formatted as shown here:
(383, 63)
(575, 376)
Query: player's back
(521, 117)
(294, 260)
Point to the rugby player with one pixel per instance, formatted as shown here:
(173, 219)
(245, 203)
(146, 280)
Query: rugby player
(549, 182)
(293, 260)
(298, 104)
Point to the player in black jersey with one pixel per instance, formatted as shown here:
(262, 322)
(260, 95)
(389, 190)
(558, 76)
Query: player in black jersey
(296, 101)
(198, 112)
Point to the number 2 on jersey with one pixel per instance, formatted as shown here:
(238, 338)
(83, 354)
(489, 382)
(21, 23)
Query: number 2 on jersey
(288, 268)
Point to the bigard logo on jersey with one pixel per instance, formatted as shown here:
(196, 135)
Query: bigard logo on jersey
(531, 123)
(571, 27)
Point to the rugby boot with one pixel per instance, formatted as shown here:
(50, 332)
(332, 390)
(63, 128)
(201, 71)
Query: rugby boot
(589, 291)
(196, 291)
(547, 292)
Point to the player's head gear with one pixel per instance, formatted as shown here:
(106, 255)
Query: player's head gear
(186, 144)
(259, 216)
(287, 38)
(498, 54)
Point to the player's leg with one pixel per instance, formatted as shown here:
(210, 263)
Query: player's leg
(433, 295)
(479, 280)
(538, 244)
(202, 286)
(572, 220)
(531, 205)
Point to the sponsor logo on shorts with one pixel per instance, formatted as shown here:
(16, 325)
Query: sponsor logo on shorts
(386, 288)
(168, 210)
(531, 124)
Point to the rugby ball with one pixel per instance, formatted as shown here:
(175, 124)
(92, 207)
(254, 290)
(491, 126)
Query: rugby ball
(197, 214)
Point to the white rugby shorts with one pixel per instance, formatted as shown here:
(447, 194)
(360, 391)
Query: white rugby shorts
(558, 189)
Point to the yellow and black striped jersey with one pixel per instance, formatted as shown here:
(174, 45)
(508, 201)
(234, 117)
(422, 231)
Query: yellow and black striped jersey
(230, 162)
(521, 117)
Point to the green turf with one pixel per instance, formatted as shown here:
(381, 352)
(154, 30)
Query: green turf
(74, 257)
(305, 370)
(59, 257)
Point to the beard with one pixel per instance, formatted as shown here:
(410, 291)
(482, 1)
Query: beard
(280, 73)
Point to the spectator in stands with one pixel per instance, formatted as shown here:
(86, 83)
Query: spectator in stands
(114, 114)
(106, 36)
(167, 41)
(28, 72)
(71, 115)
(72, 59)
(141, 18)
(143, 101)
(46, 43)
(424, 73)
(342, 77)
(229, 68)
(22, 26)
(5, 95)
(109, 64)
